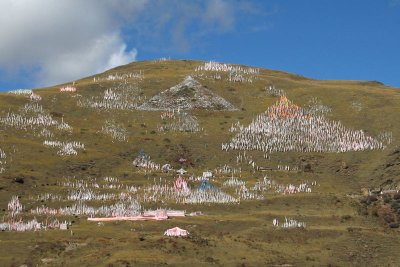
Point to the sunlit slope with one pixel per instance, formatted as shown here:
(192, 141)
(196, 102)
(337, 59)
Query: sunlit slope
(98, 130)
(371, 107)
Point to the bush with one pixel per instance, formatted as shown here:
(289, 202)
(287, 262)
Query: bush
(307, 167)
(388, 218)
(375, 212)
(346, 217)
(387, 198)
(19, 180)
(364, 211)
(395, 205)
(372, 198)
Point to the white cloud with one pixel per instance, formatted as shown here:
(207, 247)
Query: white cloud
(65, 39)
(184, 24)
(56, 41)
(220, 13)
(105, 52)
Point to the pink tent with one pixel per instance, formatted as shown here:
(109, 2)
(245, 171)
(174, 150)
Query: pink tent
(180, 184)
(176, 231)
(130, 218)
(164, 213)
(68, 89)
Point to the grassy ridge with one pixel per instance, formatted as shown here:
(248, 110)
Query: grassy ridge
(229, 235)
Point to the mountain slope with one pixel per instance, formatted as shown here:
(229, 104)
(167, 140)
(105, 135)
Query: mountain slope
(69, 152)
(189, 94)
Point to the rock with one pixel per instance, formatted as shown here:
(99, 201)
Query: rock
(19, 180)
(376, 191)
(48, 260)
(364, 191)
(344, 165)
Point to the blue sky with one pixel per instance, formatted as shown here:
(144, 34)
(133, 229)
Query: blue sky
(322, 39)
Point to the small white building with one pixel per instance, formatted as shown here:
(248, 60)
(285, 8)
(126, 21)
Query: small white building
(181, 171)
(63, 226)
(166, 168)
(207, 174)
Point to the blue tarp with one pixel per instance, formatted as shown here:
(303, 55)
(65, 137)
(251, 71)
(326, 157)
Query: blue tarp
(205, 185)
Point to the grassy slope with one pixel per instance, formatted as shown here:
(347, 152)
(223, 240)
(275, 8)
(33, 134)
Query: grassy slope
(228, 235)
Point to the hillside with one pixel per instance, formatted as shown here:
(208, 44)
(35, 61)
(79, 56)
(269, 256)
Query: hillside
(278, 146)
(189, 94)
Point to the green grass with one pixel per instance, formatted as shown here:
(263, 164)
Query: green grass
(228, 235)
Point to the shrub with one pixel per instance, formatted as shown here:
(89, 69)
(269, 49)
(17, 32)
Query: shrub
(19, 180)
(375, 212)
(364, 211)
(387, 198)
(346, 217)
(395, 205)
(372, 198)
(388, 218)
